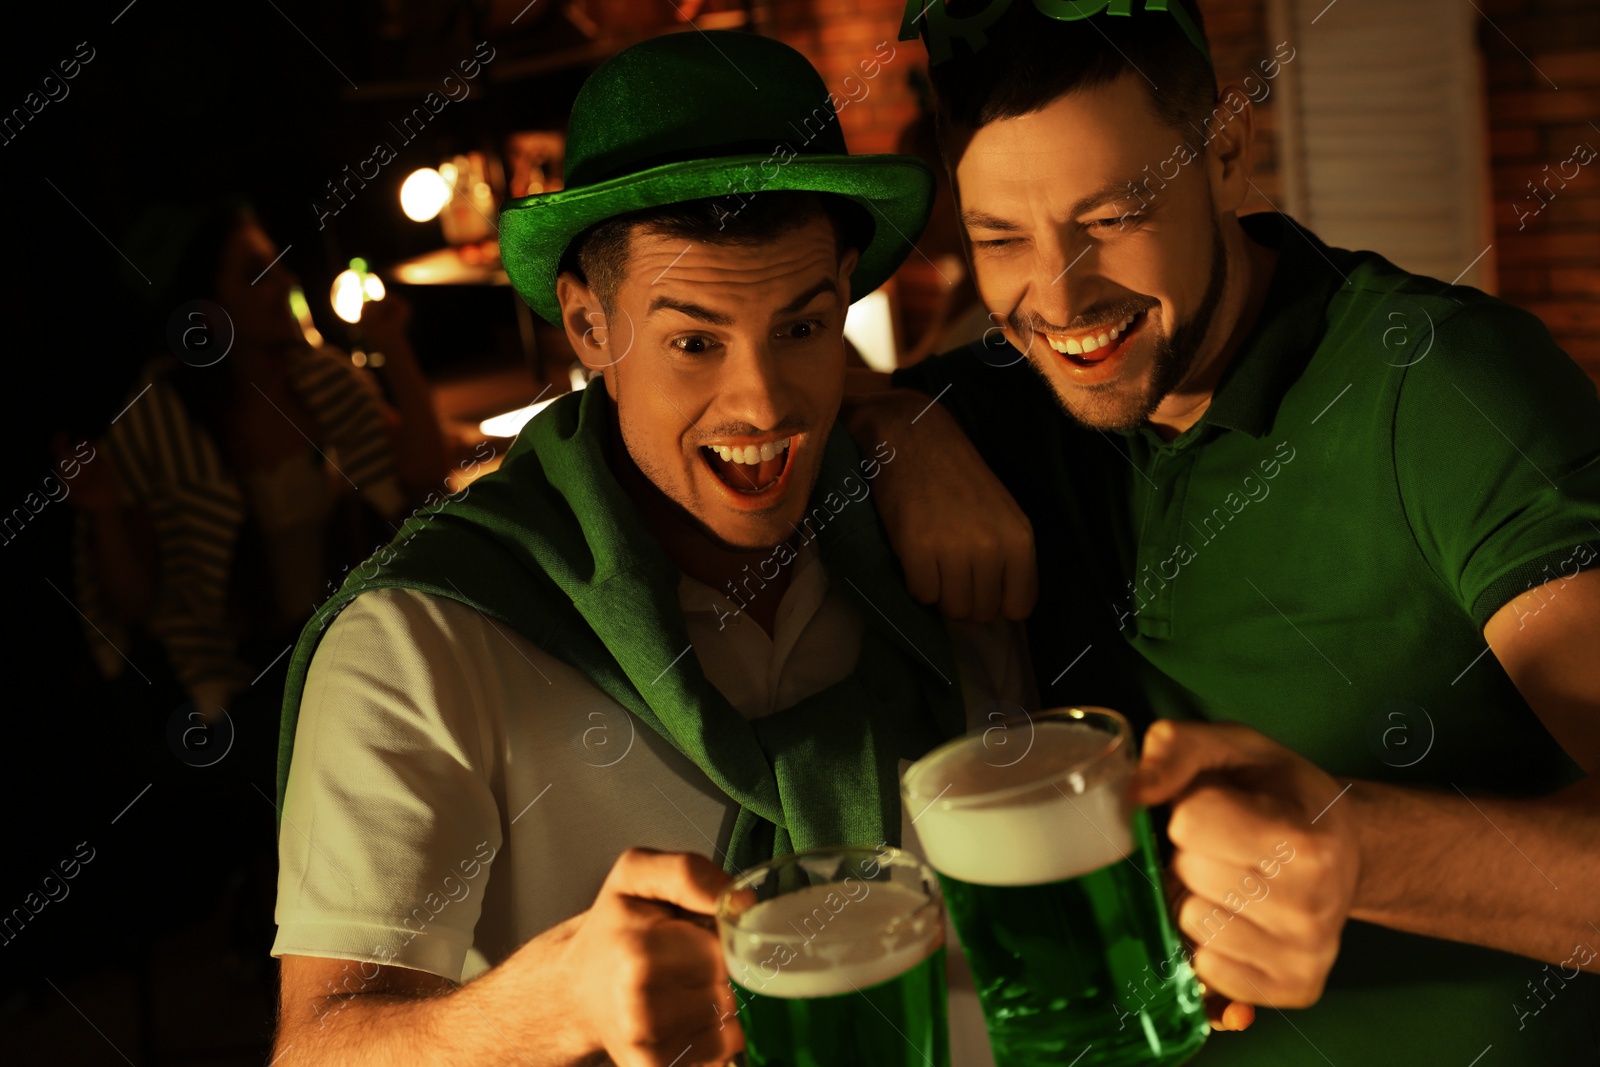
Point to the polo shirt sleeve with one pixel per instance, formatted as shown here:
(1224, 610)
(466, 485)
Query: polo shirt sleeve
(390, 824)
(996, 397)
(1497, 457)
(933, 373)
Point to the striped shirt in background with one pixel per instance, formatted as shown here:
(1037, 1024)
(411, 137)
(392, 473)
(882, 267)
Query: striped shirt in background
(171, 467)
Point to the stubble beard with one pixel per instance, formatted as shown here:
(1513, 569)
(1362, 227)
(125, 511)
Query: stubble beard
(1110, 407)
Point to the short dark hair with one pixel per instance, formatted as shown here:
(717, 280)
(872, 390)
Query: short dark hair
(599, 255)
(1032, 60)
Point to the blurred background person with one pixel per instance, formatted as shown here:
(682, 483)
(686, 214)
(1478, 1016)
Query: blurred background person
(249, 467)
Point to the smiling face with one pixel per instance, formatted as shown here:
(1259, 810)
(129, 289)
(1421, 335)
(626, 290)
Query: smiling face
(1106, 267)
(726, 363)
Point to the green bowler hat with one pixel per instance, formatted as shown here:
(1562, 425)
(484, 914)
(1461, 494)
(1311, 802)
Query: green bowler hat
(714, 114)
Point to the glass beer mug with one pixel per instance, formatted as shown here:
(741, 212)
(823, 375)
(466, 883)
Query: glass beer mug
(837, 960)
(1053, 888)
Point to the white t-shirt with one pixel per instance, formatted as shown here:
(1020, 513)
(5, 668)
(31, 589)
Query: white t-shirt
(455, 791)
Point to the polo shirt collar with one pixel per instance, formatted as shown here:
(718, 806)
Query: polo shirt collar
(1292, 321)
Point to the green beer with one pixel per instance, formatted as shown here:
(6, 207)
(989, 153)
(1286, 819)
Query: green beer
(1053, 889)
(837, 959)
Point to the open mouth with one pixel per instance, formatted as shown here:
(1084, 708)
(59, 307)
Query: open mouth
(1093, 348)
(749, 470)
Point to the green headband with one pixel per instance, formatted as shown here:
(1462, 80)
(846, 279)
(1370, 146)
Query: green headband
(938, 25)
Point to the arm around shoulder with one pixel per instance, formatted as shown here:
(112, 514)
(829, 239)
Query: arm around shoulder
(962, 540)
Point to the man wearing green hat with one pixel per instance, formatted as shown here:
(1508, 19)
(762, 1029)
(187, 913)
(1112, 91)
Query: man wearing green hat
(669, 625)
(1296, 496)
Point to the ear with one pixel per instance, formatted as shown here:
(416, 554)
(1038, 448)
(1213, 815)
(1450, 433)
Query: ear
(1230, 155)
(584, 322)
(847, 267)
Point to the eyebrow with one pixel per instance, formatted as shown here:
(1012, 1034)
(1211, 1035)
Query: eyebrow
(817, 288)
(1112, 191)
(716, 318)
(694, 311)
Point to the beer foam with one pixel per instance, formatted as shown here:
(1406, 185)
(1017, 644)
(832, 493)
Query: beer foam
(1039, 835)
(824, 940)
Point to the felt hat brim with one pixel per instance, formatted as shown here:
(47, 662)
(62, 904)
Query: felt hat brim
(896, 191)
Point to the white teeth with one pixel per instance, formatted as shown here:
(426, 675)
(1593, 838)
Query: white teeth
(751, 454)
(1075, 346)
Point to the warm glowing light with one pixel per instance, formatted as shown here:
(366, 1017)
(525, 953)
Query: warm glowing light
(869, 325)
(353, 288)
(510, 423)
(424, 194)
(347, 296)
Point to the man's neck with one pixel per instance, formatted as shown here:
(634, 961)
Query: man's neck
(687, 545)
(1250, 267)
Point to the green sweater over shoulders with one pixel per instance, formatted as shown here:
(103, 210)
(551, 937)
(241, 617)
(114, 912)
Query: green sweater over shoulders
(551, 547)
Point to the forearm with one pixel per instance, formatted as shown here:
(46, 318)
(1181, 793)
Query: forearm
(872, 407)
(1507, 873)
(518, 1013)
(961, 538)
(862, 382)
(478, 1024)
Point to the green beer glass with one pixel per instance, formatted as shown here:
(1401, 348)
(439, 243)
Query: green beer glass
(1054, 892)
(836, 957)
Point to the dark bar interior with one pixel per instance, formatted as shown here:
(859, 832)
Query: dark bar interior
(263, 333)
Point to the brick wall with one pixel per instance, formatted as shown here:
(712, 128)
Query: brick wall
(1542, 66)
(840, 35)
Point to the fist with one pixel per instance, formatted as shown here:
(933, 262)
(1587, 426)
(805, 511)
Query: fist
(650, 981)
(1265, 856)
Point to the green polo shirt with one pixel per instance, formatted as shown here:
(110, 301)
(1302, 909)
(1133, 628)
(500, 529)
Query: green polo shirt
(1387, 461)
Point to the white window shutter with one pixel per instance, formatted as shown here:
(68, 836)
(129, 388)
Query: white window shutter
(1382, 131)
